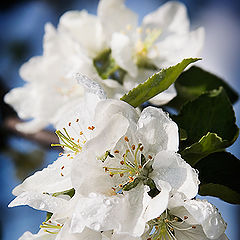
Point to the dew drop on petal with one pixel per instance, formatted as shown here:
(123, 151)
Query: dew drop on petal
(107, 202)
(214, 221)
(92, 195)
(42, 205)
(96, 226)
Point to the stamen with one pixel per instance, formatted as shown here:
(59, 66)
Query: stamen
(50, 227)
(126, 139)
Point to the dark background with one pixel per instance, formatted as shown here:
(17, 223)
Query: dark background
(21, 32)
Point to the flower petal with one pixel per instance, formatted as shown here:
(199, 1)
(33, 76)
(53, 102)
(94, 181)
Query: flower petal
(164, 97)
(158, 130)
(157, 205)
(171, 17)
(48, 180)
(115, 17)
(122, 52)
(86, 234)
(85, 29)
(170, 167)
(208, 216)
(121, 213)
(96, 180)
(41, 235)
(43, 202)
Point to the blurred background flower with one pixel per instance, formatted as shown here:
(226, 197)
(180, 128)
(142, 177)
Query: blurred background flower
(21, 32)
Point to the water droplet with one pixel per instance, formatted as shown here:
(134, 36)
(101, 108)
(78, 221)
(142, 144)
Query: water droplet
(83, 213)
(92, 195)
(115, 200)
(107, 202)
(214, 221)
(42, 205)
(96, 226)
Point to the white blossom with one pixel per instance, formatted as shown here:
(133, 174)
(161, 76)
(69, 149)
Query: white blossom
(163, 40)
(186, 220)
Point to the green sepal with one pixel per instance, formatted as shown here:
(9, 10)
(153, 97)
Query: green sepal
(143, 160)
(218, 174)
(156, 84)
(195, 81)
(69, 192)
(48, 216)
(107, 67)
(128, 186)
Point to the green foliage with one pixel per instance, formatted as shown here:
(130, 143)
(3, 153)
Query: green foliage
(209, 122)
(195, 81)
(107, 67)
(156, 84)
(209, 143)
(218, 174)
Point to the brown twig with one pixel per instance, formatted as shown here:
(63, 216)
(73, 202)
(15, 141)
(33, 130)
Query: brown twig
(43, 137)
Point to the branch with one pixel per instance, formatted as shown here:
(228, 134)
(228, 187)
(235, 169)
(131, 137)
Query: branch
(43, 137)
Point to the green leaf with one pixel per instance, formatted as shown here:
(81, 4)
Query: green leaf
(195, 81)
(209, 143)
(209, 122)
(156, 84)
(218, 174)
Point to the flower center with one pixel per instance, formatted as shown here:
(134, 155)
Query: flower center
(165, 227)
(51, 227)
(129, 166)
(142, 47)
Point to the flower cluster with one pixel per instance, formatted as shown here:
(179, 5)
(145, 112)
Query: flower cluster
(121, 174)
(119, 177)
(110, 49)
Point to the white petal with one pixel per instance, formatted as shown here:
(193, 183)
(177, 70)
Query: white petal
(96, 212)
(113, 89)
(84, 28)
(157, 205)
(49, 179)
(122, 213)
(122, 53)
(171, 17)
(106, 109)
(86, 234)
(208, 216)
(107, 135)
(175, 47)
(165, 96)
(124, 236)
(41, 235)
(158, 130)
(43, 202)
(87, 162)
(88, 174)
(191, 234)
(115, 17)
(170, 167)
